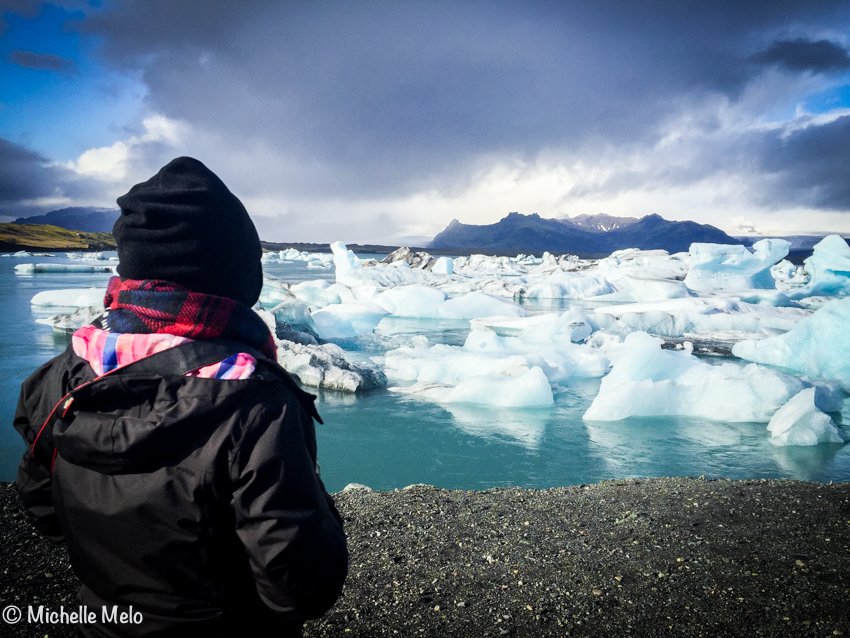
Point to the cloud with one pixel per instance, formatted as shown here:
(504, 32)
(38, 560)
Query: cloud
(817, 56)
(367, 98)
(30, 184)
(133, 156)
(42, 61)
(348, 119)
(809, 165)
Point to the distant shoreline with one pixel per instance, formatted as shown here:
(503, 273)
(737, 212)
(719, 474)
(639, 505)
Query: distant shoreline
(655, 557)
(44, 238)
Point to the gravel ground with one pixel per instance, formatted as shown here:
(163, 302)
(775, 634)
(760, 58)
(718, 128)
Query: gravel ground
(659, 557)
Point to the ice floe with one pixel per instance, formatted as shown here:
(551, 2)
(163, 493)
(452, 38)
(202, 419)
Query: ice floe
(817, 347)
(69, 298)
(646, 380)
(30, 269)
(828, 268)
(722, 268)
(801, 422)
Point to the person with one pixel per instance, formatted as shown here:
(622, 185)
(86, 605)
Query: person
(166, 445)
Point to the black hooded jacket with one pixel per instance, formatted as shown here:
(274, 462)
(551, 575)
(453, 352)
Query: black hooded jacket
(196, 501)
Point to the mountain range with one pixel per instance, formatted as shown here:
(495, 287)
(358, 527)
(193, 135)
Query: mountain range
(586, 235)
(85, 218)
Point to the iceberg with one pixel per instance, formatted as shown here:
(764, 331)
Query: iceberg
(345, 261)
(516, 368)
(828, 268)
(70, 298)
(345, 320)
(729, 268)
(648, 381)
(818, 346)
(513, 387)
(565, 286)
(443, 266)
(326, 366)
(800, 422)
(702, 316)
(418, 301)
(30, 269)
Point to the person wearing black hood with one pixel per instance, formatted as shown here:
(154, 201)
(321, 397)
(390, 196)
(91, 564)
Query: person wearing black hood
(166, 445)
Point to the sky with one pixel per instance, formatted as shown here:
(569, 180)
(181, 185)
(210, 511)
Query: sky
(381, 121)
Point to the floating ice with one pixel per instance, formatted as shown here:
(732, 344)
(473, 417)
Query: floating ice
(443, 266)
(72, 321)
(426, 302)
(702, 316)
(720, 267)
(818, 346)
(326, 366)
(411, 301)
(344, 320)
(648, 381)
(566, 286)
(29, 269)
(414, 259)
(345, 260)
(652, 264)
(533, 350)
(318, 292)
(513, 387)
(574, 324)
(314, 260)
(800, 422)
(70, 298)
(828, 268)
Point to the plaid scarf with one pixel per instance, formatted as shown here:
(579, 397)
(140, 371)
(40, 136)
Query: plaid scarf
(155, 306)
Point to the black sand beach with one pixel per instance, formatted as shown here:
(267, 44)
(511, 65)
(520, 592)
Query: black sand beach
(659, 557)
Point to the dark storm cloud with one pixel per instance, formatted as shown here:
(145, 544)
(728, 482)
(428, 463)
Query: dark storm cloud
(23, 174)
(26, 176)
(819, 56)
(42, 61)
(386, 98)
(810, 166)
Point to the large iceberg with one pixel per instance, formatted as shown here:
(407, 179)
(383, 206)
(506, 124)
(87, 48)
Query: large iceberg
(729, 268)
(801, 422)
(828, 268)
(818, 346)
(648, 381)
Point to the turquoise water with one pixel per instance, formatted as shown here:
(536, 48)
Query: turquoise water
(388, 440)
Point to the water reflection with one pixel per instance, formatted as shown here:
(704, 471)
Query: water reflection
(805, 463)
(525, 427)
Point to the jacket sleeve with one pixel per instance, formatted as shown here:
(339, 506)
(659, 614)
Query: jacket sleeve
(39, 393)
(285, 519)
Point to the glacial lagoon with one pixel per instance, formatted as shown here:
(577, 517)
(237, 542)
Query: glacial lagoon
(389, 439)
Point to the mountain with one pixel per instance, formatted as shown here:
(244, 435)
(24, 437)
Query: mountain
(515, 234)
(85, 218)
(38, 237)
(592, 236)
